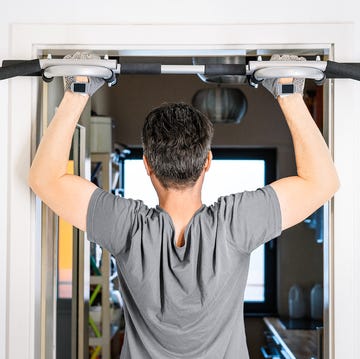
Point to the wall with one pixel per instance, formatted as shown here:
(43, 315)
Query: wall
(134, 96)
(188, 11)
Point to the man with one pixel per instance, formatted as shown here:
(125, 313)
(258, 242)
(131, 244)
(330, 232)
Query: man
(183, 266)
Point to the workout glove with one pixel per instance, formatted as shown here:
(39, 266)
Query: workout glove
(94, 83)
(272, 84)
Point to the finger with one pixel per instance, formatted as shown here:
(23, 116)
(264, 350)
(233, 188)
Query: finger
(286, 80)
(81, 79)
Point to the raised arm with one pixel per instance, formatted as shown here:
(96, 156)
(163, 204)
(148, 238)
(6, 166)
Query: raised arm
(317, 179)
(67, 195)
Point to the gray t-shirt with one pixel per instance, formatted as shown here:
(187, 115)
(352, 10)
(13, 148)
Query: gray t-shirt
(184, 302)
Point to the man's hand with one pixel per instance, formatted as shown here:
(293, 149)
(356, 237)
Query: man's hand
(94, 83)
(272, 85)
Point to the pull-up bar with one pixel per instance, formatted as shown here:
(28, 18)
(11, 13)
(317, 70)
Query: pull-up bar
(108, 69)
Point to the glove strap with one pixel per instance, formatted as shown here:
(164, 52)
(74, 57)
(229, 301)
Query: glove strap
(82, 88)
(287, 89)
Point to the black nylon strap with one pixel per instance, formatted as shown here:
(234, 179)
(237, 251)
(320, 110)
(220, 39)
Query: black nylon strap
(13, 68)
(144, 69)
(225, 69)
(335, 70)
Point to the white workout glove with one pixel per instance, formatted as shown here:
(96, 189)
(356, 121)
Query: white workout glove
(93, 84)
(273, 85)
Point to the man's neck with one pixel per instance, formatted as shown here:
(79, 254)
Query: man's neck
(181, 205)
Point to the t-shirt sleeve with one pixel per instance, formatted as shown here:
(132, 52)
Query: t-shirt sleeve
(253, 217)
(110, 220)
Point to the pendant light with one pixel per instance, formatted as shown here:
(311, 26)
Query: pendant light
(221, 104)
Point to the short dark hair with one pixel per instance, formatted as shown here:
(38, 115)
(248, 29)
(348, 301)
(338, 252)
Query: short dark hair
(176, 140)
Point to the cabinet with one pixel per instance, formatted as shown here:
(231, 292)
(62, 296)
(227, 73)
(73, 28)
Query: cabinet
(103, 324)
(290, 343)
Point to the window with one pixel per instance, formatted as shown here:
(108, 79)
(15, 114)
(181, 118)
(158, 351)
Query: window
(232, 170)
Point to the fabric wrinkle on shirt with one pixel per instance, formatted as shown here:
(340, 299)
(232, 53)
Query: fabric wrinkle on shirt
(171, 222)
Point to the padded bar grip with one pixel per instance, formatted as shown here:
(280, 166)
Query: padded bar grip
(342, 70)
(13, 68)
(225, 69)
(144, 69)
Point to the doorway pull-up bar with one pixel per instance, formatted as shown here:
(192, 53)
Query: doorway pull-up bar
(108, 69)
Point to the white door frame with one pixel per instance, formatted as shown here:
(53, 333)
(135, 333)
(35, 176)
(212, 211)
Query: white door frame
(22, 267)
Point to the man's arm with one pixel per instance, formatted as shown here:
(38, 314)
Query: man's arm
(67, 195)
(316, 180)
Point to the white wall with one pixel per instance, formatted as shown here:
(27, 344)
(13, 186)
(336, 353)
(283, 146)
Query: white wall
(159, 12)
(185, 11)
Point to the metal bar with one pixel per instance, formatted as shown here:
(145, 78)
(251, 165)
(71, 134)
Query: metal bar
(49, 259)
(182, 69)
(159, 69)
(179, 69)
(68, 67)
(83, 258)
(105, 68)
(49, 282)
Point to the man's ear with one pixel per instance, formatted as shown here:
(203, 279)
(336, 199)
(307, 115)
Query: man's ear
(147, 166)
(208, 161)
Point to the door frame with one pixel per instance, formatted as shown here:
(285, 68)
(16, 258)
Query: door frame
(22, 266)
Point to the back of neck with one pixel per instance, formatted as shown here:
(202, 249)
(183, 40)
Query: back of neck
(181, 205)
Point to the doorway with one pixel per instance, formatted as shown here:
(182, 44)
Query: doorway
(145, 92)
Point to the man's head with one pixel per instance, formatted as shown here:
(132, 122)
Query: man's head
(176, 141)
